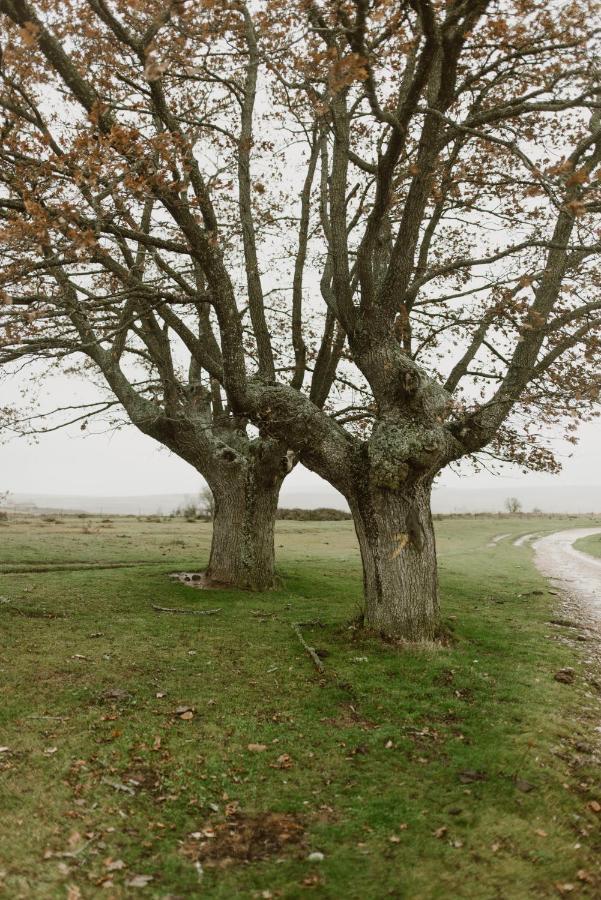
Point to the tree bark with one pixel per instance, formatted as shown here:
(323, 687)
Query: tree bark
(242, 549)
(398, 551)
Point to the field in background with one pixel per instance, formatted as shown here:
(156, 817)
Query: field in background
(144, 753)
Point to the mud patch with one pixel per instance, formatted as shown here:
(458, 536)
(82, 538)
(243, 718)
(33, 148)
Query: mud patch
(200, 581)
(245, 839)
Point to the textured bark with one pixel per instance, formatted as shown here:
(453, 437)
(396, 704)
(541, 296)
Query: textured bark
(398, 551)
(242, 549)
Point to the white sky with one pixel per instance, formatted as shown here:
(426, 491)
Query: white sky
(127, 463)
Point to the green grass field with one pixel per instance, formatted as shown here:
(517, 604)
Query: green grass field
(590, 545)
(459, 771)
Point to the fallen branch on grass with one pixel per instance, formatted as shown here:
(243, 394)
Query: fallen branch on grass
(296, 627)
(190, 612)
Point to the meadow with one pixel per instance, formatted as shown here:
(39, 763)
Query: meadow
(167, 755)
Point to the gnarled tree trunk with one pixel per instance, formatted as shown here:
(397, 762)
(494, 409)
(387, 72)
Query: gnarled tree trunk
(242, 549)
(396, 538)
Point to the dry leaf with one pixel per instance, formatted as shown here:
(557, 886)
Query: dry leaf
(594, 806)
(524, 786)
(139, 881)
(187, 715)
(257, 748)
(469, 776)
(114, 865)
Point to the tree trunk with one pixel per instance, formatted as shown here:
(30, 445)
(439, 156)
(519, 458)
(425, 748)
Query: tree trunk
(398, 551)
(242, 549)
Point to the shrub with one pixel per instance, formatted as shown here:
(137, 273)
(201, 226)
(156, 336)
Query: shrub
(321, 514)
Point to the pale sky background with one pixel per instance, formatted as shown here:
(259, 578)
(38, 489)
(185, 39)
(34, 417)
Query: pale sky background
(127, 463)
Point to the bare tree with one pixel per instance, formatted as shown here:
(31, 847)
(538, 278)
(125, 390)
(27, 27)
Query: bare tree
(403, 192)
(513, 505)
(207, 503)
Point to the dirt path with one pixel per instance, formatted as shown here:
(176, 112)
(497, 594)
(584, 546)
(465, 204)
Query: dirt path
(575, 573)
(525, 538)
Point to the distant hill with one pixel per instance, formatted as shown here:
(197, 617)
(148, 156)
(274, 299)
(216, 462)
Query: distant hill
(460, 498)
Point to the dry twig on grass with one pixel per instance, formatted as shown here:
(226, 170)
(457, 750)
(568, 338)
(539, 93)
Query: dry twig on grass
(190, 612)
(310, 650)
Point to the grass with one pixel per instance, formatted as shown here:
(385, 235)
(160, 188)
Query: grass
(590, 545)
(399, 766)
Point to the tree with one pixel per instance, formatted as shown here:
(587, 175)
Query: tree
(412, 200)
(513, 506)
(123, 329)
(207, 503)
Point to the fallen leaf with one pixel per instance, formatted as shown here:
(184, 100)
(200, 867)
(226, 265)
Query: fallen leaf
(160, 695)
(540, 832)
(50, 750)
(470, 776)
(117, 694)
(565, 888)
(440, 832)
(157, 743)
(583, 875)
(114, 865)
(524, 786)
(73, 892)
(283, 762)
(595, 806)
(119, 786)
(394, 839)
(257, 748)
(140, 881)
(565, 676)
(186, 716)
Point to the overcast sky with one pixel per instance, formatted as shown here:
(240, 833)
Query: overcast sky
(127, 463)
